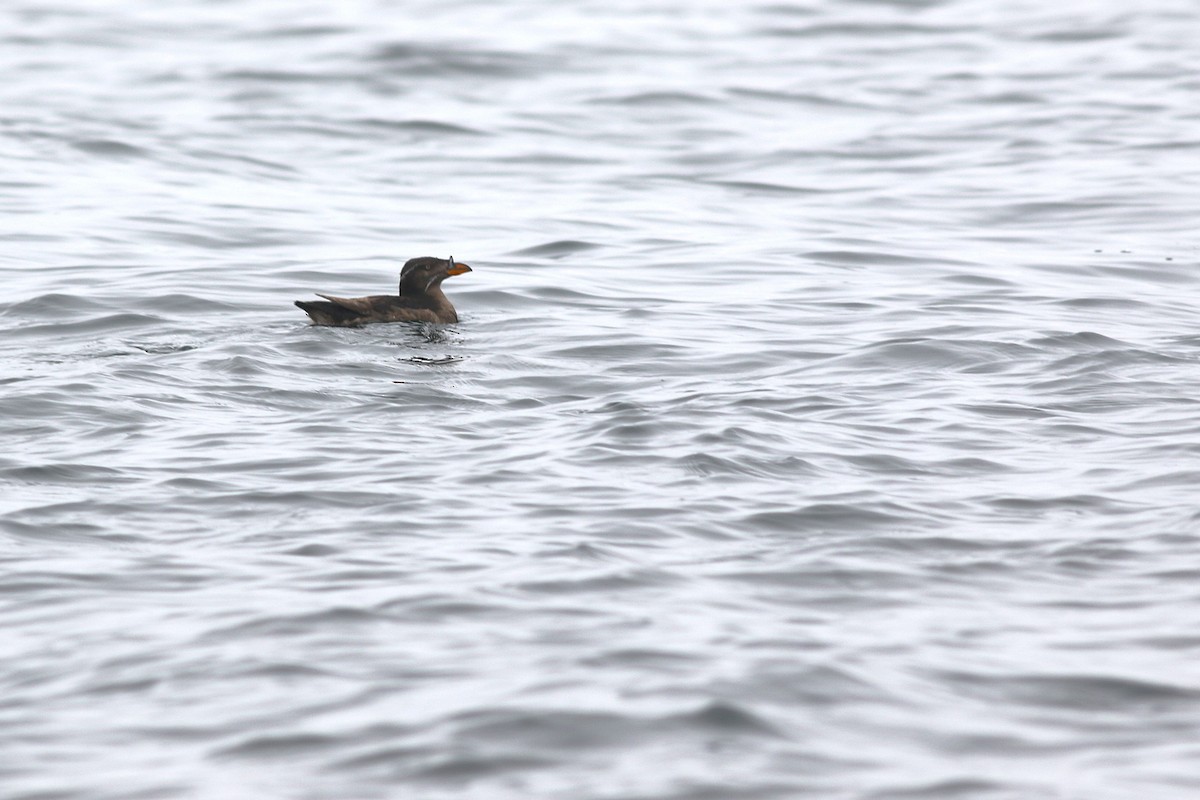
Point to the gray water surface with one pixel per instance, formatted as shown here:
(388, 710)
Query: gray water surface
(822, 421)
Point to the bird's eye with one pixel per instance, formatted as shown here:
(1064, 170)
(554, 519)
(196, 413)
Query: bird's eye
(451, 259)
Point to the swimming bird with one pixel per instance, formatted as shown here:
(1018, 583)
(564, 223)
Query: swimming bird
(419, 299)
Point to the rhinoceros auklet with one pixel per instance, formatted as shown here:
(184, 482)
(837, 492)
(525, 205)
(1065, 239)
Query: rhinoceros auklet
(420, 298)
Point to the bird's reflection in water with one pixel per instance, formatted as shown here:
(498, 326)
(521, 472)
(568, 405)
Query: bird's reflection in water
(425, 335)
(430, 361)
(420, 338)
(434, 334)
(433, 361)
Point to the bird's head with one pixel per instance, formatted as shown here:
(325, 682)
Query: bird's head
(419, 275)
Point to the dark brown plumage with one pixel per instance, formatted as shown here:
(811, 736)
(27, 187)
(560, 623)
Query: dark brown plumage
(420, 298)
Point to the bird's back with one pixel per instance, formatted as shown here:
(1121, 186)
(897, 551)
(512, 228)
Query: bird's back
(353, 311)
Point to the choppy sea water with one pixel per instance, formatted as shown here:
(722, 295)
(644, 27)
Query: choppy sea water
(822, 420)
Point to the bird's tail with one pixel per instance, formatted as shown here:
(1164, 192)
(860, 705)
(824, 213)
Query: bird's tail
(323, 312)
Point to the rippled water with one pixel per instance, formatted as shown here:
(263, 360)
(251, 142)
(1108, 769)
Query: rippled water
(822, 420)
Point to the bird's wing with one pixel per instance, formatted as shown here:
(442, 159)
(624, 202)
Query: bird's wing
(360, 305)
(384, 308)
